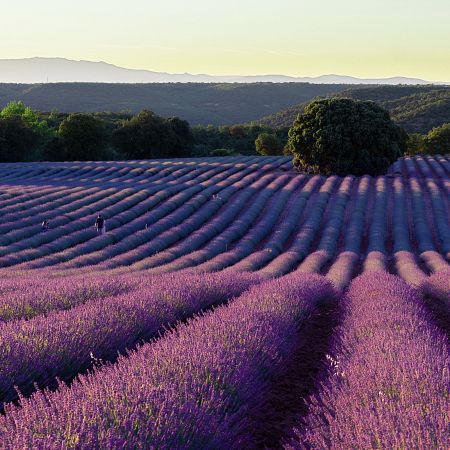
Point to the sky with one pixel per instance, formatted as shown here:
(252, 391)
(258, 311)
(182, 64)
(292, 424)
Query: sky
(362, 38)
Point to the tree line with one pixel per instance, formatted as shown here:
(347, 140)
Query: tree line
(335, 135)
(29, 135)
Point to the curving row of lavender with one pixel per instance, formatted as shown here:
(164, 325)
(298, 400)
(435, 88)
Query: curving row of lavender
(239, 214)
(206, 384)
(210, 289)
(388, 377)
(31, 296)
(63, 343)
(193, 388)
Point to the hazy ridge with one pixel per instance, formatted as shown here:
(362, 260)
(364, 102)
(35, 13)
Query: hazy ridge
(57, 70)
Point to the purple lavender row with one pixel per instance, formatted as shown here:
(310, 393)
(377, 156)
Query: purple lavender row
(194, 388)
(137, 176)
(162, 218)
(388, 378)
(28, 218)
(415, 166)
(32, 296)
(208, 231)
(282, 231)
(179, 224)
(32, 199)
(120, 222)
(376, 259)
(55, 212)
(91, 173)
(43, 205)
(444, 162)
(216, 253)
(10, 194)
(282, 196)
(436, 290)
(441, 214)
(72, 208)
(64, 343)
(68, 173)
(405, 259)
(424, 227)
(28, 201)
(137, 173)
(19, 173)
(346, 263)
(59, 238)
(251, 233)
(437, 170)
(70, 205)
(303, 239)
(327, 245)
(167, 181)
(123, 226)
(438, 286)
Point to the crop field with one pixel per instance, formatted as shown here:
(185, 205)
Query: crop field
(232, 303)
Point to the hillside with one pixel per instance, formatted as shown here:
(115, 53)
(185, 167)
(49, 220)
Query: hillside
(198, 103)
(218, 287)
(249, 213)
(416, 108)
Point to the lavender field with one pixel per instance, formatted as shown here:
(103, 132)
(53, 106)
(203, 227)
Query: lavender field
(233, 303)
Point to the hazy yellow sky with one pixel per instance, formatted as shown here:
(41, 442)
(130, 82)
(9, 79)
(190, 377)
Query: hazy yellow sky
(363, 38)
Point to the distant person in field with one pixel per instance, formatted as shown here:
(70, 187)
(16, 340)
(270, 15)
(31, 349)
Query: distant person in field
(45, 225)
(100, 224)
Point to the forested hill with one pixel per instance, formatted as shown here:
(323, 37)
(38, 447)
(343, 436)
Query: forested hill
(416, 108)
(198, 103)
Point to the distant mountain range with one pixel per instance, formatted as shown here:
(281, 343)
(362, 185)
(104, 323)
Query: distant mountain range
(56, 70)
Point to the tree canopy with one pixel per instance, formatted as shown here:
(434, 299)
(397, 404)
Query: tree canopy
(268, 144)
(437, 141)
(344, 136)
(83, 137)
(29, 116)
(148, 135)
(22, 132)
(17, 140)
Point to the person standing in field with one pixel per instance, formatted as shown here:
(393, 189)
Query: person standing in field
(45, 225)
(100, 224)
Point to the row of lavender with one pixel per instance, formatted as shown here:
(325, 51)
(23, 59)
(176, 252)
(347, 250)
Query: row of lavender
(190, 389)
(128, 211)
(387, 385)
(115, 171)
(205, 384)
(74, 324)
(246, 218)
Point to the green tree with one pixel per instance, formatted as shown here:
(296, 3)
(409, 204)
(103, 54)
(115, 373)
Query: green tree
(148, 135)
(437, 141)
(182, 139)
(29, 116)
(54, 150)
(17, 140)
(83, 138)
(414, 144)
(344, 136)
(268, 144)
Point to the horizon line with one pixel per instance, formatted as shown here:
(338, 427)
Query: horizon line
(226, 76)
